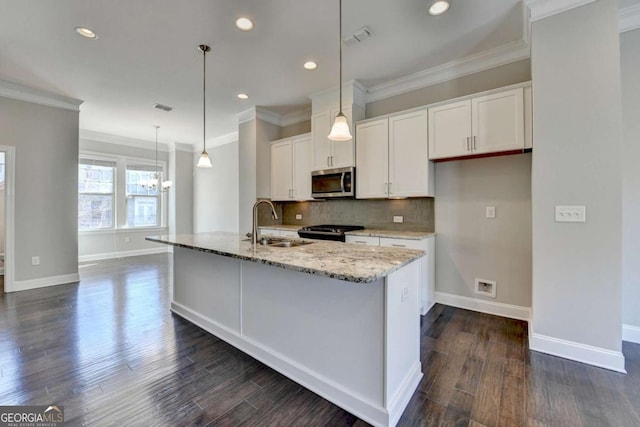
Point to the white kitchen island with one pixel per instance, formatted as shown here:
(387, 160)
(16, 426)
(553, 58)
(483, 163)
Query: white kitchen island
(339, 319)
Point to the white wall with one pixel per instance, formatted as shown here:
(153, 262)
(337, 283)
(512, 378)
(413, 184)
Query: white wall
(577, 292)
(630, 72)
(265, 133)
(468, 244)
(216, 193)
(247, 173)
(46, 187)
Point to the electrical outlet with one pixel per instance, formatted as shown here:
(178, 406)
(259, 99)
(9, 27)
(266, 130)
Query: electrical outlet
(490, 212)
(571, 214)
(127, 239)
(398, 219)
(485, 287)
(35, 260)
(405, 294)
(298, 216)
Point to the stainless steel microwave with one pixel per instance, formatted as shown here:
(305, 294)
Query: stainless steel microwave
(333, 183)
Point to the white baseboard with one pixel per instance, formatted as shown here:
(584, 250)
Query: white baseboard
(123, 254)
(484, 306)
(42, 282)
(631, 333)
(428, 306)
(324, 387)
(596, 356)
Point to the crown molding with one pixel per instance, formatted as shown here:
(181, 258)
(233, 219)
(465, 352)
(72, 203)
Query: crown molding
(268, 116)
(36, 96)
(246, 115)
(178, 146)
(108, 138)
(216, 142)
(629, 18)
(540, 9)
(488, 59)
(295, 117)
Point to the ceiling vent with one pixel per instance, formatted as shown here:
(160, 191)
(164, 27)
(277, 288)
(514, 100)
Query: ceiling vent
(357, 36)
(162, 107)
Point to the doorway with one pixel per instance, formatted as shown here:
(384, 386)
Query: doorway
(7, 203)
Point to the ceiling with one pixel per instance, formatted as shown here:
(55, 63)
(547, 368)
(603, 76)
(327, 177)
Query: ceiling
(147, 53)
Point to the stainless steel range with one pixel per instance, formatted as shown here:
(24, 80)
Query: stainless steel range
(327, 231)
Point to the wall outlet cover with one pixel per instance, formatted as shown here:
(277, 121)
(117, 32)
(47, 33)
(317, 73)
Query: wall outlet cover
(571, 214)
(398, 219)
(490, 212)
(485, 287)
(298, 216)
(35, 260)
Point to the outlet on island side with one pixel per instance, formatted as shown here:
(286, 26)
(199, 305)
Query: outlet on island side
(35, 260)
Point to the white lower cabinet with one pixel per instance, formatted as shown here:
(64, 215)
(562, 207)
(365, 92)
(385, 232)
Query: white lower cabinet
(427, 263)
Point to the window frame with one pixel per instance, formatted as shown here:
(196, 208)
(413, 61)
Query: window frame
(120, 194)
(129, 161)
(113, 191)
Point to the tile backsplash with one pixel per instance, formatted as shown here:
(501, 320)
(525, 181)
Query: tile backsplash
(417, 213)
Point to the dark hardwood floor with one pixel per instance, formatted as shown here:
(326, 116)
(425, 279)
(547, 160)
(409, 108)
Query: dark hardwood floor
(109, 350)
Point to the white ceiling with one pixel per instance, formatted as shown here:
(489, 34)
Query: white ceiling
(147, 53)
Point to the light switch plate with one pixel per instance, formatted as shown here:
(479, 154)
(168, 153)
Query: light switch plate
(398, 218)
(491, 212)
(571, 214)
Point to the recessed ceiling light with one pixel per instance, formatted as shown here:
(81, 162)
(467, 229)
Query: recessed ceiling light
(438, 7)
(310, 65)
(85, 32)
(244, 24)
(243, 96)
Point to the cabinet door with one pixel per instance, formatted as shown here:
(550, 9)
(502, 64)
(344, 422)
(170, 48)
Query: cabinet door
(372, 159)
(498, 122)
(408, 155)
(302, 165)
(363, 240)
(281, 172)
(320, 128)
(342, 152)
(450, 130)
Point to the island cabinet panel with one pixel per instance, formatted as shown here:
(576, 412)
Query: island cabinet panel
(335, 327)
(208, 286)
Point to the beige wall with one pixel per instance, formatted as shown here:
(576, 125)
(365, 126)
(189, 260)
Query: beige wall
(247, 173)
(577, 292)
(463, 233)
(296, 129)
(46, 187)
(265, 133)
(471, 246)
(505, 75)
(630, 70)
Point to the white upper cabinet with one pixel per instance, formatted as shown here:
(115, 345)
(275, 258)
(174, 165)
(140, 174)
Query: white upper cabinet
(331, 154)
(479, 125)
(392, 158)
(410, 171)
(372, 154)
(291, 163)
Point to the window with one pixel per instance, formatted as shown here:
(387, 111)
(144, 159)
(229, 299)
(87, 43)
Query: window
(143, 200)
(96, 183)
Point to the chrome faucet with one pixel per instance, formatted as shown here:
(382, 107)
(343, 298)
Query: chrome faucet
(254, 233)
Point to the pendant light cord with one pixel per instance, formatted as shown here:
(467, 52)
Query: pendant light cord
(204, 103)
(340, 41)
(157, 169)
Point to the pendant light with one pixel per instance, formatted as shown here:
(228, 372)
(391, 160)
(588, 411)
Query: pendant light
(157, 182)
(204, 161)
(340, 128)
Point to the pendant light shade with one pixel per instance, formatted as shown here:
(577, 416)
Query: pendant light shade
(204, 161)
(340, 129)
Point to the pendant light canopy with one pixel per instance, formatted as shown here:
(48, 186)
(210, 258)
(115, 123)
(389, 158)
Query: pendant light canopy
(340, 128)
(204, 161)
(157, 182)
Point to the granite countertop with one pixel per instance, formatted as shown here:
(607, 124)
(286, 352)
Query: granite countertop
(397, 234)
(337, 260)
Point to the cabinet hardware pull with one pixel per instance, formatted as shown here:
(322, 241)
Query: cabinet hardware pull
(468, 144)
(328, 164)
(474, 142)
(398, 246)
(360, 241)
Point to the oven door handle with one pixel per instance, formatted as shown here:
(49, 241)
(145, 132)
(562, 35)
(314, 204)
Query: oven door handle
(344, 175)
